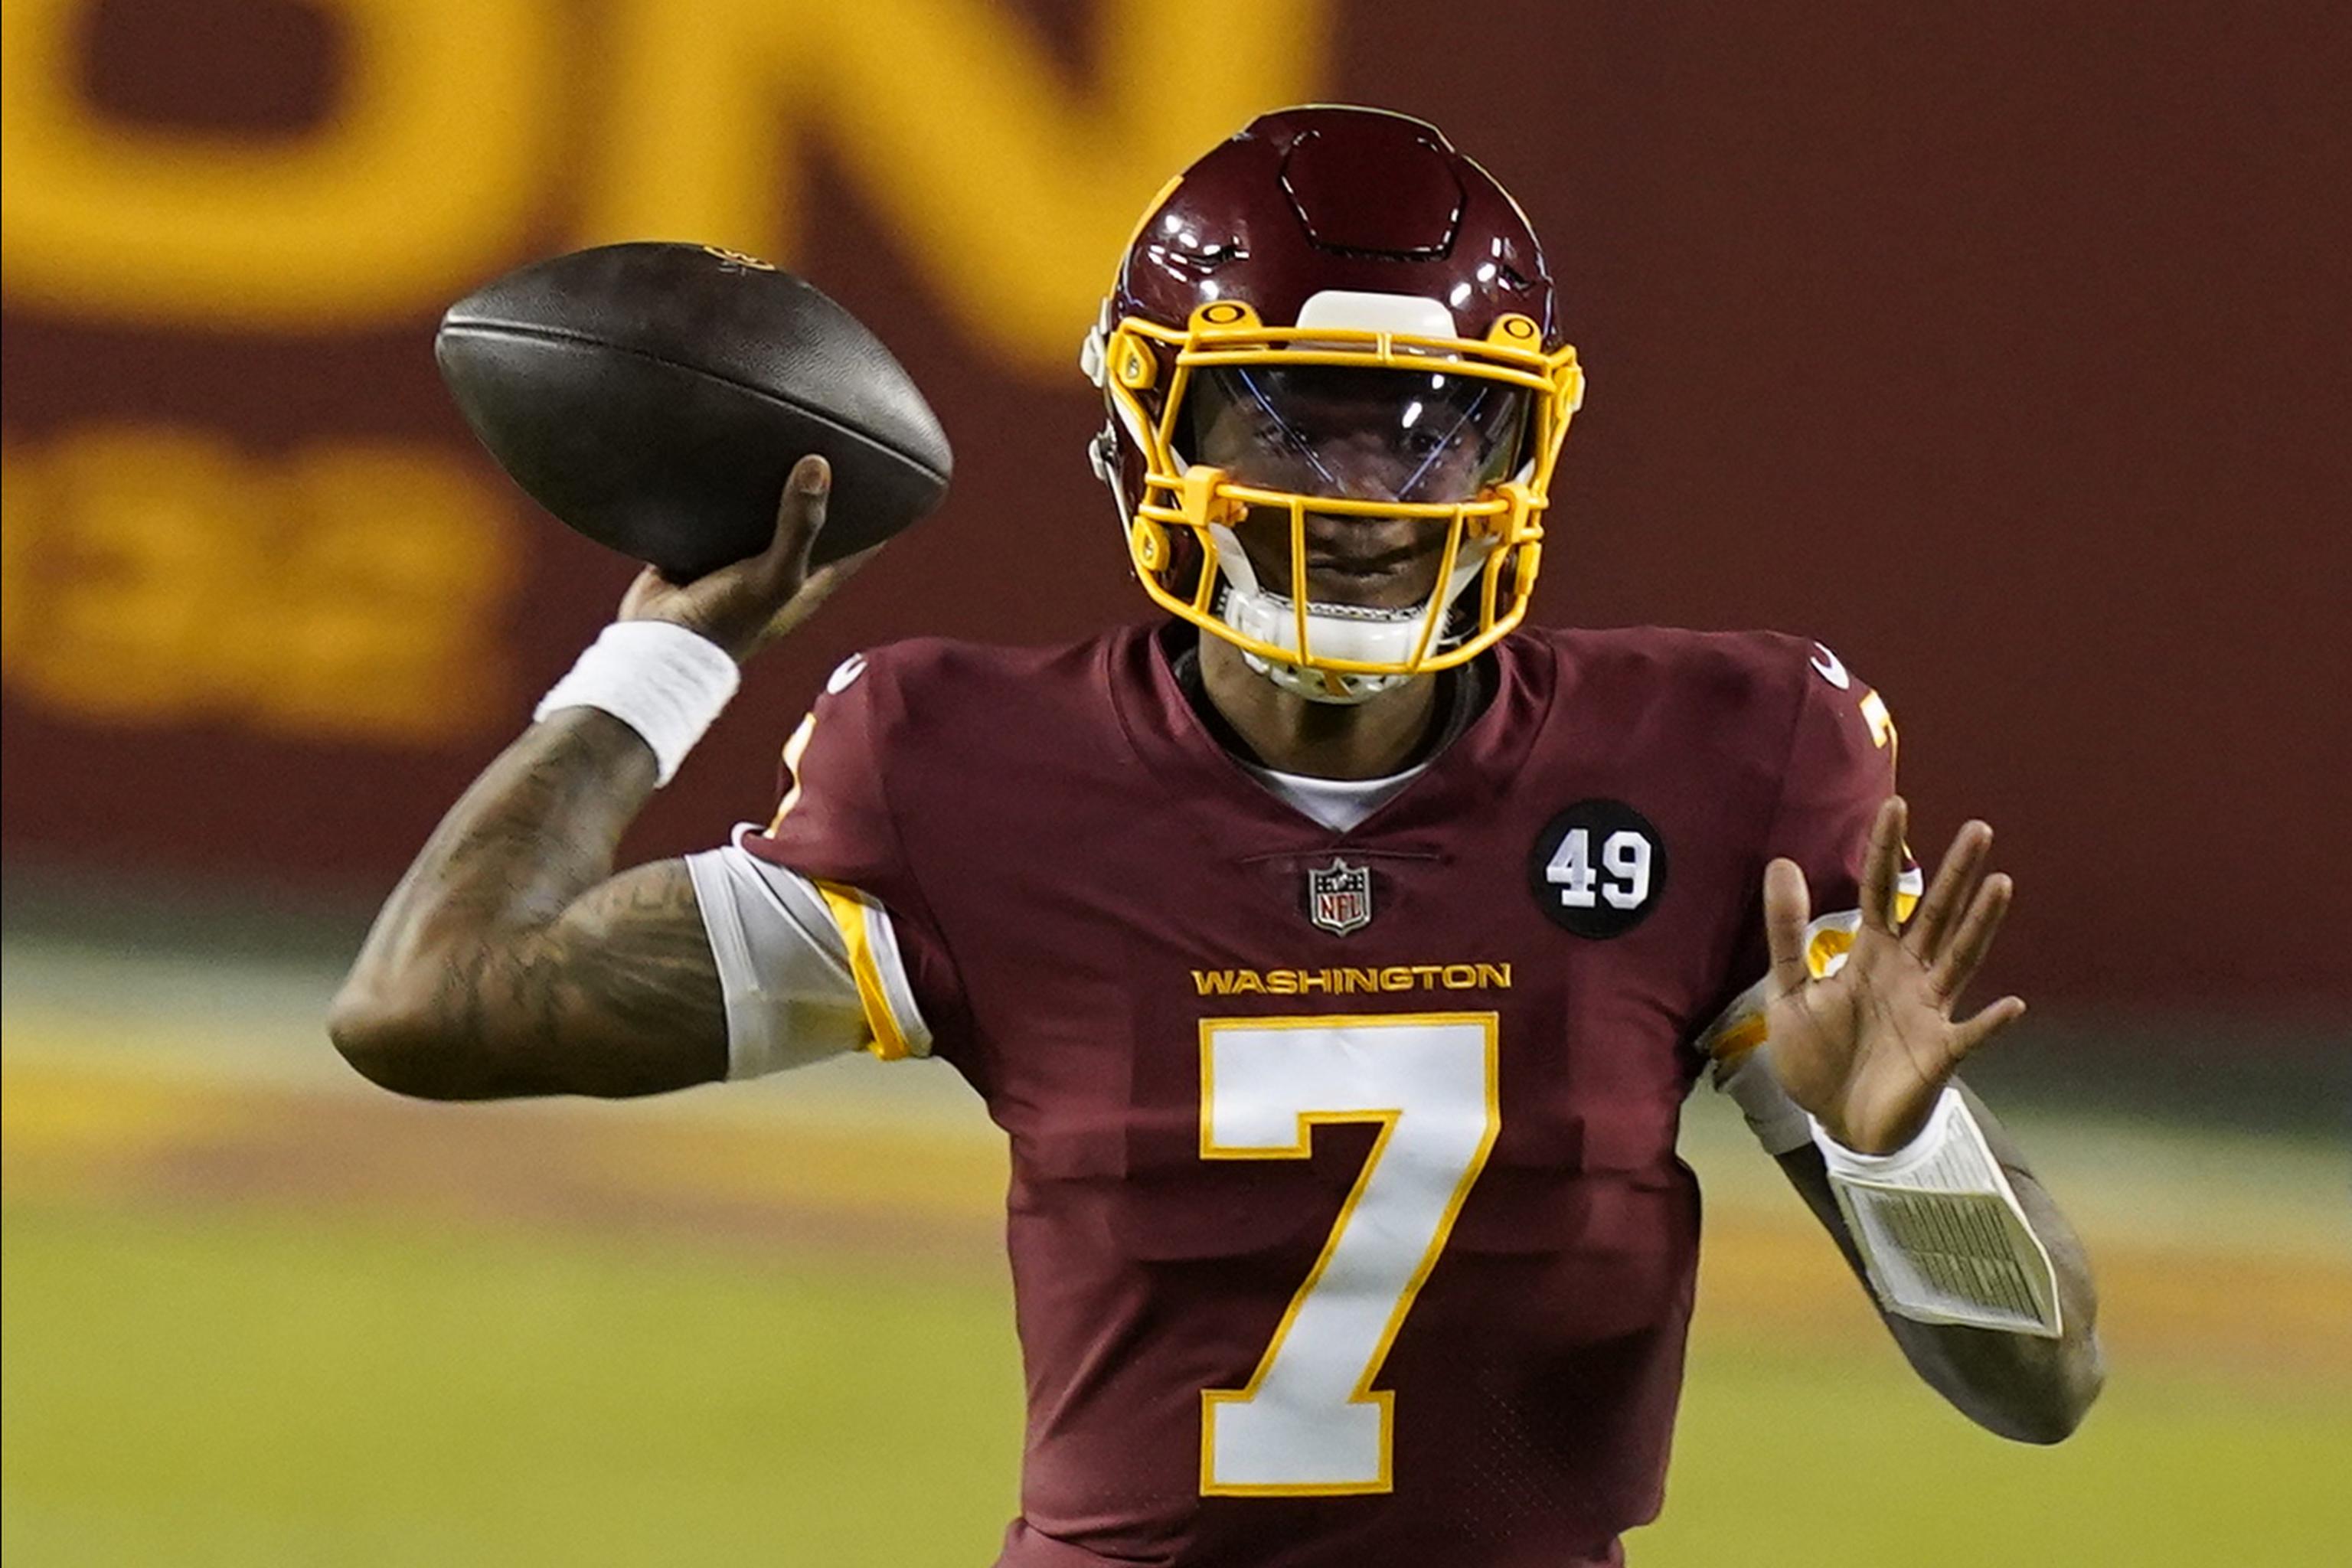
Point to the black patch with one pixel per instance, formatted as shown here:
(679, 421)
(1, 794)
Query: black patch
(1605, 882)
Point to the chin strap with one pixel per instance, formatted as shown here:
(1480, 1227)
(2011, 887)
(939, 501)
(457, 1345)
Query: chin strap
(1315, 686)
(1334, 631)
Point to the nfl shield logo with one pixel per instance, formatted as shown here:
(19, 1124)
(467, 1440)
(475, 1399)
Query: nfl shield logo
(1340, 896)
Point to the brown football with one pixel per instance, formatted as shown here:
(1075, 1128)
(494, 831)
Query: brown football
(654, 396)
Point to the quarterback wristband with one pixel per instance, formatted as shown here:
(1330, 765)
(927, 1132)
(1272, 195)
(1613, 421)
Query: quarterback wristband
(1940, 1229)
(660, 679)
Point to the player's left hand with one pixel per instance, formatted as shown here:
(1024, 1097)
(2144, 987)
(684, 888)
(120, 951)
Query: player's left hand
(1867, 1049)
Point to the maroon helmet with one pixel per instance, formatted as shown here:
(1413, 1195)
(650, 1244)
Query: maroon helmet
(1369, 313)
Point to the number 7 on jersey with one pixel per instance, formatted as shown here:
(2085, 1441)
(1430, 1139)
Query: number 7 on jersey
(1308, 1421)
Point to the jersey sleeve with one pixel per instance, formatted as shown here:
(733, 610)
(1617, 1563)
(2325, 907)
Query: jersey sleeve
(834, 833)
(1840, 769)
(784, 967)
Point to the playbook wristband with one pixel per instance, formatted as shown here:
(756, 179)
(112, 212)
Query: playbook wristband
(1940, 1229)
(660, 679)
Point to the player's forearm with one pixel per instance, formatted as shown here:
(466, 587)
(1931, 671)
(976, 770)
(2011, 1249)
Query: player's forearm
(2026, 1386)
(444, 983)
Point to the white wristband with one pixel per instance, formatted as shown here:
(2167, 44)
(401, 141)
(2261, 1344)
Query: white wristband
(660, 679)
(1938, 1140)
(1940, 1229)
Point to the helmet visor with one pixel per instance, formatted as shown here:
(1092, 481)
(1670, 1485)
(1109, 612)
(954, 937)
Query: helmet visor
(1353, 432)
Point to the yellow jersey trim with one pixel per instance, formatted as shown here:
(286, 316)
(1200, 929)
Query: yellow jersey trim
(851, 911)
(1740, 1029)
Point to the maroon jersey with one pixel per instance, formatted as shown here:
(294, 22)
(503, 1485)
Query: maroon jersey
(1346, 1222)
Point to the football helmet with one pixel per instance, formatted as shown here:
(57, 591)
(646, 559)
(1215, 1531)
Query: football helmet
(1334, 318)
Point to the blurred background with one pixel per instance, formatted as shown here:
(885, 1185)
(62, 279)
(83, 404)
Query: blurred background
(1999, 346)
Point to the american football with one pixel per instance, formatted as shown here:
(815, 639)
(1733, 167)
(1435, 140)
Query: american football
(653, 396)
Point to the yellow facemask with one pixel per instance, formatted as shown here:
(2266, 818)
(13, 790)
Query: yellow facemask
(1492, 545)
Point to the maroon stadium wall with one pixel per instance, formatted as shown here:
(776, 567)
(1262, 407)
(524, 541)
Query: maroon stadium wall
(2001, 347)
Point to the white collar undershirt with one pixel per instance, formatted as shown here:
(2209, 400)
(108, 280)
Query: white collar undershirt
(1337, 804)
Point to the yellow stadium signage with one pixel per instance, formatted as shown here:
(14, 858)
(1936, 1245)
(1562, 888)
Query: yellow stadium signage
(464, 127)
(350, 590)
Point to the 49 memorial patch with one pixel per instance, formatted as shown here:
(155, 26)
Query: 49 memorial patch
(1597, 868)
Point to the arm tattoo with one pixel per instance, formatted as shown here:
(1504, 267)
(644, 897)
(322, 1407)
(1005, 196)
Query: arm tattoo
(519, 963)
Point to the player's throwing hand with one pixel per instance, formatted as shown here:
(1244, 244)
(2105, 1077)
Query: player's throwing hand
(747, 605)
(1867, 1050)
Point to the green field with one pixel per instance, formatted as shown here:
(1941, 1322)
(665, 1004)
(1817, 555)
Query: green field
(264, 1389)
(249, 1321)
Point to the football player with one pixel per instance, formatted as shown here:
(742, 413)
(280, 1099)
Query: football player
(1336, 951)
